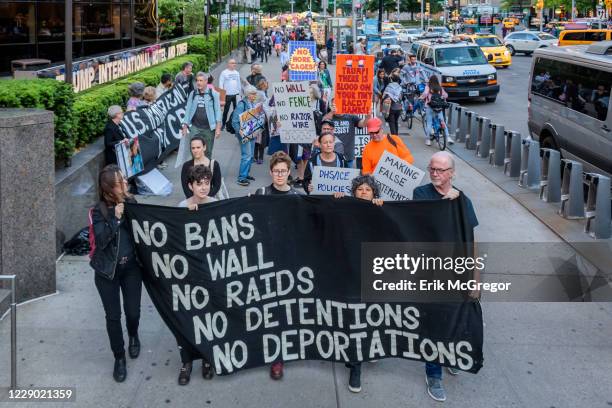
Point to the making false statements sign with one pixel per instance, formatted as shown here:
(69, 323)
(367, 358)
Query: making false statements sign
(229, 281)
(396, 178)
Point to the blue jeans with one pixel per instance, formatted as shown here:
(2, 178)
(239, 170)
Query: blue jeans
(429, 113)
(349, 164)
(247, 150)
(433, 370)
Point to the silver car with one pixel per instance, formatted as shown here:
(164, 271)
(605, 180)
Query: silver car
(569, 103)
(528, 41)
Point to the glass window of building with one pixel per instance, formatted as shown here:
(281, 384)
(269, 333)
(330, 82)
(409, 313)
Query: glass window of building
(17, 23)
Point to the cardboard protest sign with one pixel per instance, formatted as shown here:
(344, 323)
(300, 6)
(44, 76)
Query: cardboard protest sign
(361, 139)
(354, 82)
(252, 120)
(232, 287)
(330, 180)
(295, 114)
(129, 157)
(157, 126)
(302, 61)
(396, 178)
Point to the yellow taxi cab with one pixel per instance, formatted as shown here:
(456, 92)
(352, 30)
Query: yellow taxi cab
(496, 52)
(578, 37)
(509, 22)
(470, 21)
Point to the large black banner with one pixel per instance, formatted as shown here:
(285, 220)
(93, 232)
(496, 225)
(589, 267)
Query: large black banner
(254, 280)
(158, 126)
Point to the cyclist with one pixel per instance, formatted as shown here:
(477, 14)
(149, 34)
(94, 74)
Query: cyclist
(434, 97)
(414, 79)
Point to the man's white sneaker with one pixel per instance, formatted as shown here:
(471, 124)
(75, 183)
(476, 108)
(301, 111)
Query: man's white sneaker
(427, 142)
(450, 140)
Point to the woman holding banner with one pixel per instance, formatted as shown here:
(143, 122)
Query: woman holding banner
(117, 270)
(326, 158)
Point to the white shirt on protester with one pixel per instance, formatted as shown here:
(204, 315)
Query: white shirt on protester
(230, 81)
(185, 205)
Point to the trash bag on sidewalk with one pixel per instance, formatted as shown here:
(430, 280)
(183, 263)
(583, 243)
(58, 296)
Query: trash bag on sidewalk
(79, 244)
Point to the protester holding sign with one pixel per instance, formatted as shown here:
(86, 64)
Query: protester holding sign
(198, 154)
(113, 133)
(263, 137)
(326, 158)
(247, 143)
(203, 113)
(344, 129)
(117, 270)
(379, 143)
(136, 92)
(441, 172)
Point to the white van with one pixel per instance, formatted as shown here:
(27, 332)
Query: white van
(569, 103)
(463, 69)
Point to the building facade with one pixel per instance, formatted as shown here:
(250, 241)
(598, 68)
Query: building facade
(35, 28)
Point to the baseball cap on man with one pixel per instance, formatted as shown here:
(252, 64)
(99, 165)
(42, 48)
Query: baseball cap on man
(327, 122)
(374, 125)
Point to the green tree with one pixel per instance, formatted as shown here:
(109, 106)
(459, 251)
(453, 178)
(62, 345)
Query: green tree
(170, 14)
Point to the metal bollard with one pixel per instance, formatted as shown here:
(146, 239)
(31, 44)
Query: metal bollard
(598, 206)
(451, 118)
(550, 183)
(484, 137)
(513, 159)
(530, 164)
(472, 133)
(463, 126)
(572, 201)
(496, 154)
(458, 118)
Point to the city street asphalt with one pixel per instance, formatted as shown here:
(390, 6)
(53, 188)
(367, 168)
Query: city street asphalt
(536, 354)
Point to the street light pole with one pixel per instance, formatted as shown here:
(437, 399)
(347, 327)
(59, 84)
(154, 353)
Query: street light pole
(422, 14)
(206, 20)
(219, 39)
(231, 40)
(68, 42)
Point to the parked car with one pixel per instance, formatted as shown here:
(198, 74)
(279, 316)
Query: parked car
(528, 41)
(388, 37)
(582, 37)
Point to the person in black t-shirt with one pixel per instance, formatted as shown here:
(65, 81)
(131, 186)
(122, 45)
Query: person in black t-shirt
(280, 168)
(441, 172)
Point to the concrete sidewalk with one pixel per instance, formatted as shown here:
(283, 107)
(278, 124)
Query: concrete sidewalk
(536, 354)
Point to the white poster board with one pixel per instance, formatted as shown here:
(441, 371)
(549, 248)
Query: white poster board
(294, 111)
(156, 182)
(396, 178)
(330, 180)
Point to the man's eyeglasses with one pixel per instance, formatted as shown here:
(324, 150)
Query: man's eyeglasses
(434, 170)
(280, 172)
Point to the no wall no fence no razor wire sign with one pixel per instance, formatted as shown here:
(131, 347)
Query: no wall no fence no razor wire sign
(229, 283)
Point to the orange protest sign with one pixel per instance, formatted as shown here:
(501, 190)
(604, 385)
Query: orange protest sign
(354, 81)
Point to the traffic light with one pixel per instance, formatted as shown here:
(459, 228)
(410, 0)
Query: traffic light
(427, 7)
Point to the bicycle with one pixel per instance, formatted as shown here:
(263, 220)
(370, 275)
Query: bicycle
(412, 104)
(438, 126)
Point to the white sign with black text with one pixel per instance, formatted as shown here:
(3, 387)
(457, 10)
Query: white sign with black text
(396, 178)
(294, 110)
(330, 180)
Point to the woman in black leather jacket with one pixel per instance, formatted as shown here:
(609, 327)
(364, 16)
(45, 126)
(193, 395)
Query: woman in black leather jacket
(116, 267)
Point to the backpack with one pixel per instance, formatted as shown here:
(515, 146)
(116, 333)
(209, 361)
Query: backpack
(437, 103)
(229, 126)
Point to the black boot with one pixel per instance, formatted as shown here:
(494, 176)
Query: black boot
(185, 374)
(120, 371)
(207, 370)
(134, 347)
